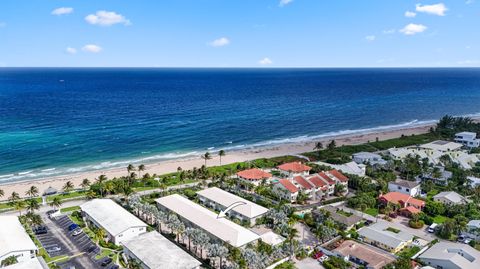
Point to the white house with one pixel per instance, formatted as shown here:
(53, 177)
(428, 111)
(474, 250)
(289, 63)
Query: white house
(220, 200)
(35, 263)
(411, 188)
(200, 217)
(448, 255)
(352, 168)
(473, 229)
(368, 157)
(254, 176)
(14, 240)
(152, 250)
(286, 190)
(119, 224)
(450, 198)
(468, 139)
(442, 146)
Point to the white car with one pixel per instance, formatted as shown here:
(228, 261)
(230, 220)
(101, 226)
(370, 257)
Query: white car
(323, 258)
(77, 232)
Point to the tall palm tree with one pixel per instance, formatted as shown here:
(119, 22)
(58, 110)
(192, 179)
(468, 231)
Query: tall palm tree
(14, 197)
(56, 203)
(318, 147)
(207, 156)
(19, 205)
(221, 153)
(32, 191)
(102, 178)
(68, 187)
(85, 184)
(32, 205)
(2, 193)
(141, 168)
(130, 168)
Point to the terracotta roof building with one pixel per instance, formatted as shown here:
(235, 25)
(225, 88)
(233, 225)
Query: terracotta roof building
(402, 199)
(295, 168)
(338, 175)
(253, 175)
(366, 256)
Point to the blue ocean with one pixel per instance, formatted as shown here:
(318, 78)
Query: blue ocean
(55, 121)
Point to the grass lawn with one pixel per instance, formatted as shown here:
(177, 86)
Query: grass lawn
(73, 194)
(70, 209)
(439, 219)
(345, 213)
(371, 211)
(409, 252)
(393, 230)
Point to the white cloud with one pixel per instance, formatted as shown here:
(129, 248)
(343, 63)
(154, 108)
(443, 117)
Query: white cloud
(468, 2)
(220, 42)
(410, 14)
(3, 24)
(413, 29)
(71, 50)
(62, 11)
(436, 9)
(389, 31)
(106, 18)
(370, 37)
(284, 2)
(265, 61)
(92, 48)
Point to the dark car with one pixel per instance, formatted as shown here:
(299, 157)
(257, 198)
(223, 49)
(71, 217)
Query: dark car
(368, 222)
(393, 215)
(73, 227)
(40, 230)
(106, 262)
(113, 266)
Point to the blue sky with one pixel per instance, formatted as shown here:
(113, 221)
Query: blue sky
(240, 33)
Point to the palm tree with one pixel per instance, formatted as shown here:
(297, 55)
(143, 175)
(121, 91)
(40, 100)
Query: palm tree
(189, 233)
(2, 193)
(100, 234)
(68, 187)
(56, 203)
(85, 184)
(32, 191)
(14, 197)
(32, 205)
(130, 168)
(160, 217)
(318, 147)
(141, 168)
(332, 145)
(19, 205)
(102, 178)
(202, 241)
(221, 153)
(9, 261)
(207, 156)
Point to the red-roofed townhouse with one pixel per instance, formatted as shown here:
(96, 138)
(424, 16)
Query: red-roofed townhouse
(286, 190)
(321, 187)
(253, 176)
(339, 178)
(294, 169)
(302, 184)
(330, 182)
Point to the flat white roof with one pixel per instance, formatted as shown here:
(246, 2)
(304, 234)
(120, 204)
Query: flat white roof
(250, 210)
(461, 255)
(13, 236)
(36, 263)
(380, 233)
(272, 238)
(111, 216)
(156, 251)
(442, 145)
(222, 228)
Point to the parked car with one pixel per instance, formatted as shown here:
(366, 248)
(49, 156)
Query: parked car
(368, 222)
(393, 215)
(106, 262)
(432, 228)
(77, 232)
(53, 249)
(40, 230)
(73, 226)
(323, 258)
(317, 255)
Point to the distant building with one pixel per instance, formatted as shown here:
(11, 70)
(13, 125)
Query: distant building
(385, 237)
(152, 250)
(220, 200)
(286, 190)
(411, 188)
(363, 255)
(14, 240)
(346, 220)
(253, 176)
(368, 158)
(474, 181)
(468, 139)
(197, 216)
(119, 224)
(449, 255)
(272, 238)
(440, 179)
(450, 198)
(352, 168)
(294, 169)
(318, 186)
(442, 146)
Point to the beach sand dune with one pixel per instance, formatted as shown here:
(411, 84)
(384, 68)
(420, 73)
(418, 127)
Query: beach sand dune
(231, 157)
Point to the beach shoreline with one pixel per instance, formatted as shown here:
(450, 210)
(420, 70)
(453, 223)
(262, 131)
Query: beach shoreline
(169, 166)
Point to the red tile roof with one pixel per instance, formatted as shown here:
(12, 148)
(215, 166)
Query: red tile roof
(338, 175)
(303, 182)
(326, 178)
(401, 198)
(288, 185)
(317, 181)
(254, 174)
(412, 210)
(295, 167)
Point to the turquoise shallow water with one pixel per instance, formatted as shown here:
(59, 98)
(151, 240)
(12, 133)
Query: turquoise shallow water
(55, 121)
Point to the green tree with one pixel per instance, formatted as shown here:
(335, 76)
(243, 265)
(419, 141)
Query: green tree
(9, 261)
(221, 153)
(141, 168)
(56, 203)
(68, 186)
(32, 205)
(332, 145)
(32, 191)
(207, 156)
(85, 184)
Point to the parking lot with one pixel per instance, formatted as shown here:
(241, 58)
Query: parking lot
(60, 240)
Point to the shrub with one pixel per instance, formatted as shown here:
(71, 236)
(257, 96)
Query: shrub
(416, 224)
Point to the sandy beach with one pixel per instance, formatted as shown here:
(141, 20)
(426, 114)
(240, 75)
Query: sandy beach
(231, 157)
